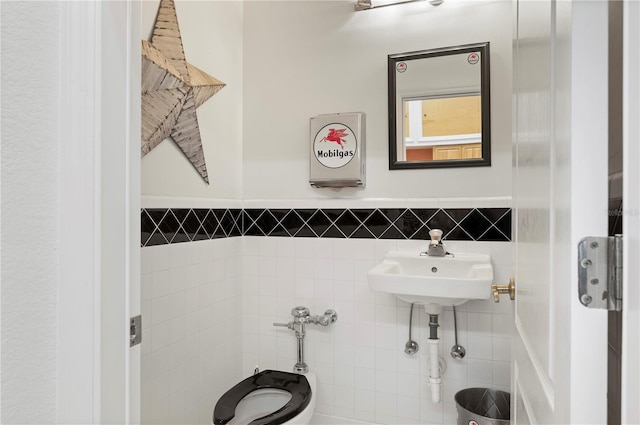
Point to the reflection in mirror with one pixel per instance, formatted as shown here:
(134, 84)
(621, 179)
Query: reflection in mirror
(439, 108)
(441, 128)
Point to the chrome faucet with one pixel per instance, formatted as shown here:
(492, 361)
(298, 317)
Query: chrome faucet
(301, 317)
(436, 247)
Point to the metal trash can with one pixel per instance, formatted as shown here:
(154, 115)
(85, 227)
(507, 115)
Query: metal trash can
(483, 406)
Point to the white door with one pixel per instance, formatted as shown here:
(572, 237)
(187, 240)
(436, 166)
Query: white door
(119, 70)
(98, 374)
(560, 196)
(132, 182)
(631, 195)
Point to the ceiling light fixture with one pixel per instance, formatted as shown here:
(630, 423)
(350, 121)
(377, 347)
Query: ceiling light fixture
(374, 4)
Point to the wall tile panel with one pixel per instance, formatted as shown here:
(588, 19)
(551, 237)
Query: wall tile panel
(208, 301)
(161, 226)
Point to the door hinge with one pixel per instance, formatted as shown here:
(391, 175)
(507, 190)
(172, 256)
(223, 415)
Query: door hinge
(600, 272)
(135, 330)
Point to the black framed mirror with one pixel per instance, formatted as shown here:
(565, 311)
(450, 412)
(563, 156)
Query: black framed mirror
(440, 108)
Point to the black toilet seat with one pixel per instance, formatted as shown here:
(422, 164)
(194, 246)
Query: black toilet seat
(293, 383)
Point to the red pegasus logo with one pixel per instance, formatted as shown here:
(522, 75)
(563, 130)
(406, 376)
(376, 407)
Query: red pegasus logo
(336, 136)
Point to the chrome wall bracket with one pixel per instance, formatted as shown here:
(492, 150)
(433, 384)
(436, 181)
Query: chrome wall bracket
(600, 272)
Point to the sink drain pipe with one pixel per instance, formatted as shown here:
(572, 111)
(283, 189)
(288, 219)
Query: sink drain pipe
(435, 381)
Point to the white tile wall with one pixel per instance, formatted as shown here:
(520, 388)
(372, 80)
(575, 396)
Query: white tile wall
(192, 328)
(208, 310)
(363, 372)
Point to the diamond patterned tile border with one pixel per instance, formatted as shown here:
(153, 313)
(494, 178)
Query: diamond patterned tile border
(162, 226)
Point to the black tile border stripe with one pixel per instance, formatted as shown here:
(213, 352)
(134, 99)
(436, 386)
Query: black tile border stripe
(161, 226)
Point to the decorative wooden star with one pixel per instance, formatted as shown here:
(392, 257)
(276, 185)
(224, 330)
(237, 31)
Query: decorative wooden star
(172, 89)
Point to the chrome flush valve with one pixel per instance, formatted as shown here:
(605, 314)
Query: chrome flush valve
(299, 313)
(329, 317)
(301, 318)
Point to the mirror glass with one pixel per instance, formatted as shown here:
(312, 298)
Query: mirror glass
(439, 108)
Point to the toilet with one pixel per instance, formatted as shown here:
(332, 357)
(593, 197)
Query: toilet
(270, 397)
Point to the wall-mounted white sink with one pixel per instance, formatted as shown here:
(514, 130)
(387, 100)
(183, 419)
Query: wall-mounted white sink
(433, 281)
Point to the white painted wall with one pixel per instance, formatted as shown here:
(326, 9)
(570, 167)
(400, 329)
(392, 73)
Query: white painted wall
(284, 62)
(212, 39)
(30, 145)
(303, 58)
